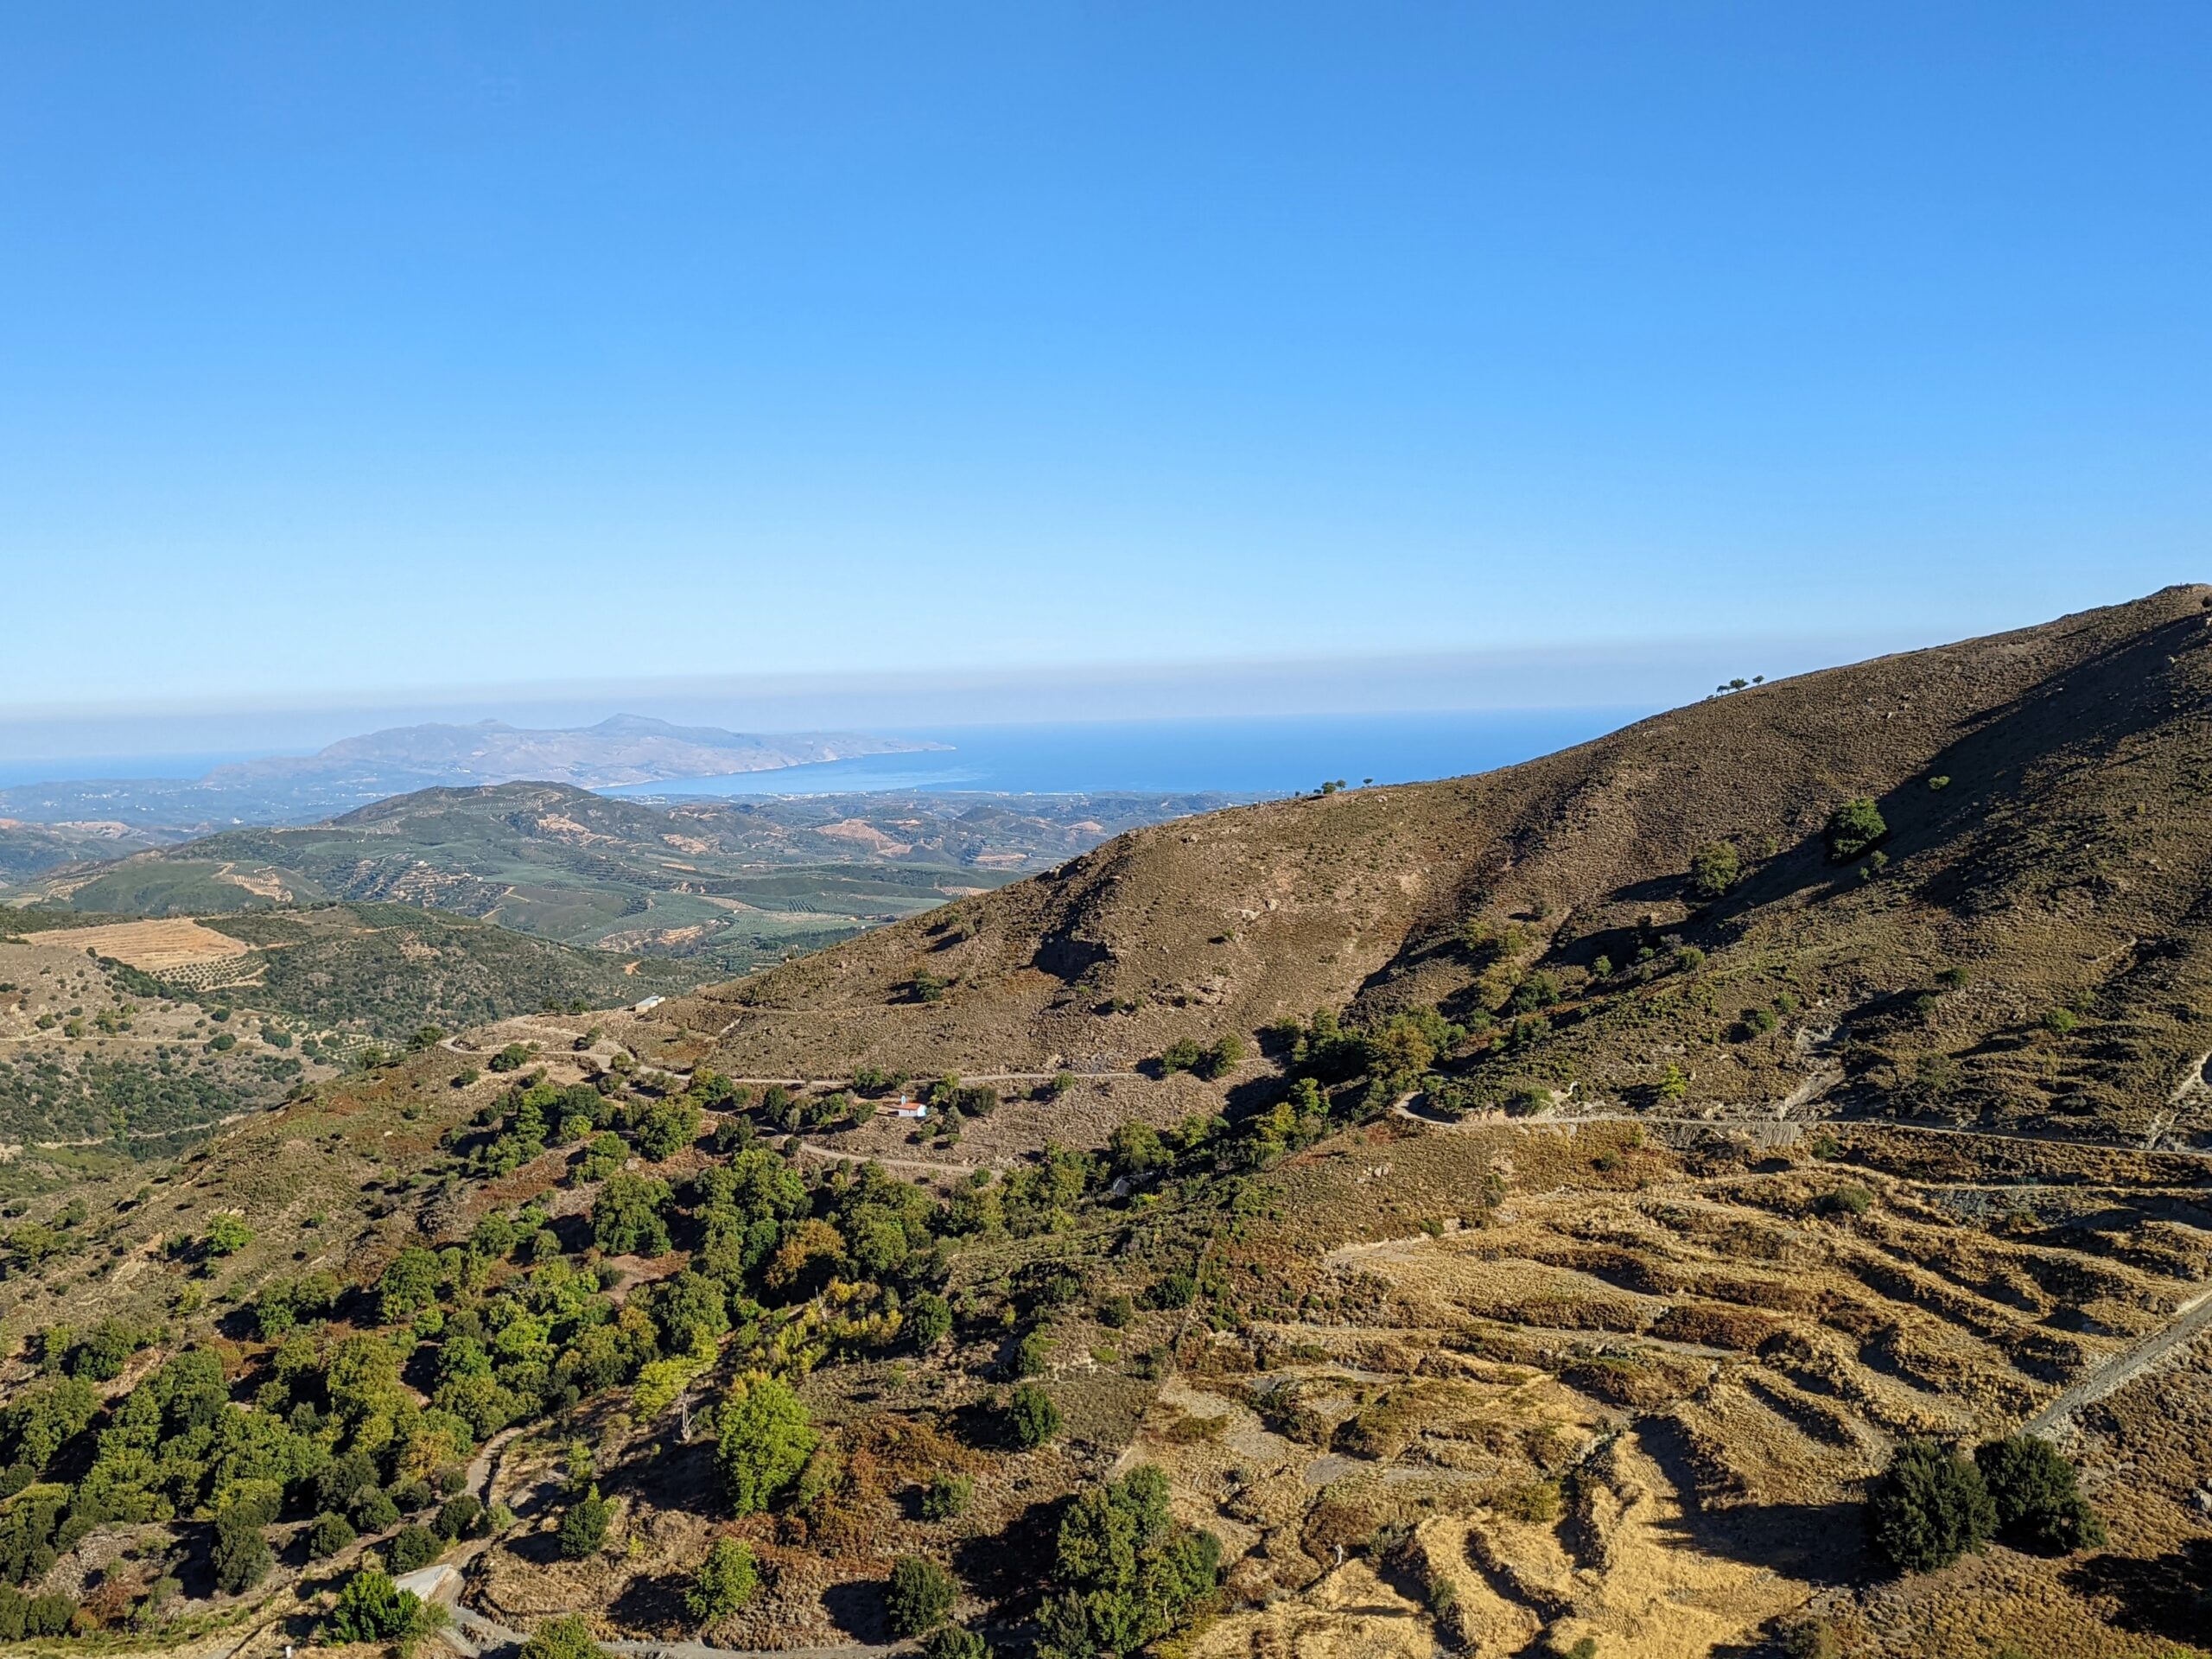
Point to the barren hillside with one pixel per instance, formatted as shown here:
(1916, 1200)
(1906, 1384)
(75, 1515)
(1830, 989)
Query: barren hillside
(2044, 794)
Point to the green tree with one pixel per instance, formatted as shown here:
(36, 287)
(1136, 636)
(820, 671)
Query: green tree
(2038, 1503)
(1032, 1418)
(667, 1127)
(458, 1516)
(583, 1527)
(226, 1235)
(764, 1439)
(1714, 868)
(407, 1285)
(410, 1548)
(691, 1311)
(1929, 1507)
(330, 1534)
(240, 1555)
(566, 1637)
(1126, 1573)
(919, 1596)
(371, 1608)
(1853, 829)
(726, 1580)
(629, 1217)
(929, 1321)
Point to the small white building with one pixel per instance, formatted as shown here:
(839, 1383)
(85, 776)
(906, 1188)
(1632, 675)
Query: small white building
(650, 1003)
(907, 1108)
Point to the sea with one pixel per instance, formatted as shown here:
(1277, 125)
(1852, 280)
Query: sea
(1254, 756)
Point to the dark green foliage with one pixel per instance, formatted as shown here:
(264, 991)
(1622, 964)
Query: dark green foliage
(414, 1547)
(629, 1216)
(955, 1642)
(1032, 1355)
(344, 1479)
(919, 1596)
(512, 1058)
(1929, 1507)
(583, 1527)
(1115, 1312)
(946, 1496)
(602, 1157)
(1853, 829)
(691, 1311)
(1126, 1572)
(667, 1127)
(2039, 1506)
(408, 1285)
(373, 1510)
(1174, 1290)
(459, 1516)
(726, 1581)
(929, 1321)
(106, 1349)
(371, 1608)
(330, 1534)
(1032, 1418)
(240, 1555)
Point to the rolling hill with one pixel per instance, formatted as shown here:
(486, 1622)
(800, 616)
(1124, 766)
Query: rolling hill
(733, 884)
(1547, 1212)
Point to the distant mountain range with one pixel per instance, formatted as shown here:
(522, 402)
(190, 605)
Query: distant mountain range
(356, 771)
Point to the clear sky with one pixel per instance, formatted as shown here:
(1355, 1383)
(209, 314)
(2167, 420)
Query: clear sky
(380, 347)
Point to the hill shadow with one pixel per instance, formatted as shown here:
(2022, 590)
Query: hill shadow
(2165, 1596)
(1819, 1543)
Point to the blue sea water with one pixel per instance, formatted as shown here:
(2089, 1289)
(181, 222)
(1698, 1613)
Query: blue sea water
(1255, 756)
(81, 768)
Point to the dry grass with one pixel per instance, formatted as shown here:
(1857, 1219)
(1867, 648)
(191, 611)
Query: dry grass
(157, 947)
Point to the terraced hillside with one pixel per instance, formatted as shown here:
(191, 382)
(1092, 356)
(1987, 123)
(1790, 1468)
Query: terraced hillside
(1630, 1385)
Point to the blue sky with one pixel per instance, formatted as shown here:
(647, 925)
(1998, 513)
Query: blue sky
(367, 349)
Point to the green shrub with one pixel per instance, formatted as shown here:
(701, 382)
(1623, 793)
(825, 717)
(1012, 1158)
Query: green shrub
(373, 1609)
(458, 1517)
(583, 1527)
(330, 1534)
(946, 1496)
(1714, 868)
(955, 1642)
(566, 1637)
(929, 1321)
(373, 1510)
(2038, 1504)
(1853, 829)
(410, 1548)
(1929, 1507)
(726, 1580)
(1126, 1573)
(1032, 1418)
(919, 1596)
(240, 1555)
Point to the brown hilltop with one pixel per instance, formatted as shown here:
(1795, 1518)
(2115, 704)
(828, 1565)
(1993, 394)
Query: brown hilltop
(2068, 847)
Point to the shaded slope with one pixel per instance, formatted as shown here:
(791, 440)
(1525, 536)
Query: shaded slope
(2064, 864)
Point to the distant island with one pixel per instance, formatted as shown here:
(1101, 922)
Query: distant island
(356, 771)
